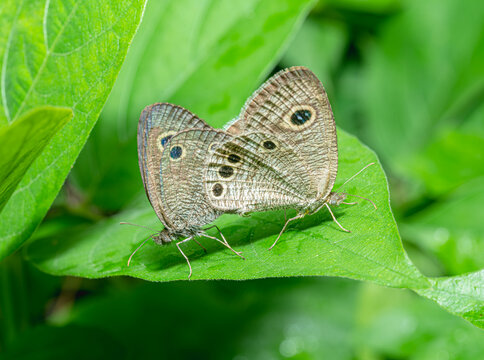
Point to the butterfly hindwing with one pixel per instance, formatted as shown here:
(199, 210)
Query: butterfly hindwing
(182, 168)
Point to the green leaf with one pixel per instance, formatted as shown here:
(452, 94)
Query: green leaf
(23, 141)
(313, 246)
(205, 55)
(60, 53)
(462, 295)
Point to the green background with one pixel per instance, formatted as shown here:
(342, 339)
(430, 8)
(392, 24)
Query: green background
(403, 77)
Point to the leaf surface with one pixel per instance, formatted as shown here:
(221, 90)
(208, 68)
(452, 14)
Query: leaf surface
(462, 295)
(23, 141)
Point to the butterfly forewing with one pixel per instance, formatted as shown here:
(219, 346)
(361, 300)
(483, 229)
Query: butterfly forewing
(157, 124)
(293, 106)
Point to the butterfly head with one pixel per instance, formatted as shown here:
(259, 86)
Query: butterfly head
(164, 237)
(336, 198)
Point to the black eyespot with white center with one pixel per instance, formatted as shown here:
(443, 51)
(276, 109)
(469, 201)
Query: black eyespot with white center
(269, 145)
(217, 189)
(299, 117)
(226, 171)
(233, 158)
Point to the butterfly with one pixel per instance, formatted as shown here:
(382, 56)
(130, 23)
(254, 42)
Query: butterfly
(280, 152)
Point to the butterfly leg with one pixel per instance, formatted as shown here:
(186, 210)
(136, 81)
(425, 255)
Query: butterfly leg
(186, 258)
(203, 247)
(334, 218)
(350, 203)
(224, 243)
(284, 228)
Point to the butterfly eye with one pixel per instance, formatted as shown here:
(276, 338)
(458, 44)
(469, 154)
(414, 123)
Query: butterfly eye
(299, 117)
(217, 189)
(233, 158)
(269, 145)
(176, 152)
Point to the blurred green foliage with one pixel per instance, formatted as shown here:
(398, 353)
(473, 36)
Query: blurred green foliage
(406, 77)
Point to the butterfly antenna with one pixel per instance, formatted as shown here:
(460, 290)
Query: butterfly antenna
(361, 197)
(146, 227)
(358, 173)
(139, 247)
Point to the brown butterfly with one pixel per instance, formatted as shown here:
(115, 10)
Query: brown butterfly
(280, 152)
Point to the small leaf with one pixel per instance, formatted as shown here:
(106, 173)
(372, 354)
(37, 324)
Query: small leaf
(23, 141)
(313, 246)
(60, 53)
(462, 295)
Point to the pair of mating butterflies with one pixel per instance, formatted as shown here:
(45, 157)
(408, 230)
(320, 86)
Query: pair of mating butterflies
(281, 152)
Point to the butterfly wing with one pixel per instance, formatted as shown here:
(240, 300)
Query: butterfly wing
(293, 106)
(182, 169)
(157, 123)
(256, 172)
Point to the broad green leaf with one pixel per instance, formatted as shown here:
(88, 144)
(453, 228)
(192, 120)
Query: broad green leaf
(422, 74)
(313, 246)
(205, 55)
(452, 229)
(462, 295)
(23, 141)
(60, 53)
